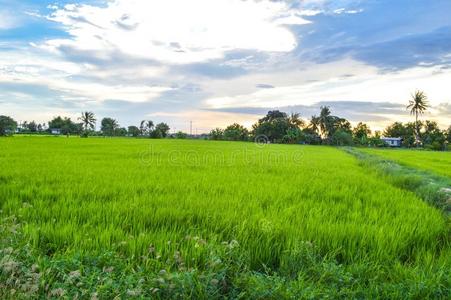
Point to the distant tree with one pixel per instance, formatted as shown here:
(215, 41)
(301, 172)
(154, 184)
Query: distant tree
(65, 125)
(216, 134)
(405, 132)
(88, 120)
(396, 129)
(433, 138)
(293, 136)
(120, 131)
(142, 127)
(326, 125)
(361, 133)
(448, 134)
(273, 115)
(375, 140)
(325, 121)
(410, 132)
(23, 127)
(149, 127)
(7, 125)
(109, 126)
(32, 127)
(417, 105)
(146, 128)
(134, 131)
(340, 124)
(180, 135)
(310, 135)
(341, 137)
(274, 126)
(235, 132)
(314, 125)
(295, 120)
(161, 130)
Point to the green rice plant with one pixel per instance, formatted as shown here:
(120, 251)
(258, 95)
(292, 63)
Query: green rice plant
(438, 162)
(223, 219)
(429, 186)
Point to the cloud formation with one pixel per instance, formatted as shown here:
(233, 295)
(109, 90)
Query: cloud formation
(223, 61)
(175, 32)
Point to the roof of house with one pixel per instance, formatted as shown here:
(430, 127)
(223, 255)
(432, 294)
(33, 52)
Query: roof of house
(391, 138)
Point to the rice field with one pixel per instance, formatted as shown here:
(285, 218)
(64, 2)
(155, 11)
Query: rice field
(434, 161)
(249, 221)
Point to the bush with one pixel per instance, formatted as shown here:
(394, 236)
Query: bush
(181, 135)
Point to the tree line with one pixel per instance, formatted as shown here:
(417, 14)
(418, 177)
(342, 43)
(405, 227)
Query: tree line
(84, 126)
(277, 127)
(327, 129)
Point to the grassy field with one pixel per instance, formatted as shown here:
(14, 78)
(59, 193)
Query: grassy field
(204, 219)
(434, 161)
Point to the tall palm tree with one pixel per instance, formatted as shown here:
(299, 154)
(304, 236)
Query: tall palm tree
(149, 125)
(314, 124)
(295, 120)
(418, 105)
(142, 127)
(88, 119)
(324, 120)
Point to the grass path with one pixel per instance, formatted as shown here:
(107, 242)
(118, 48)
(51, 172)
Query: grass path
(427, 183)
(437, 162)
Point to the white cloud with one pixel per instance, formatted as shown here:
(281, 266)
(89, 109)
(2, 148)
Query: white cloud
(57, 75)
(344, 11)
(7, 20)
(175, 31)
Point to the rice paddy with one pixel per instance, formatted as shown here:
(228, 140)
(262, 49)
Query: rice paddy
(433, 161)
(185, 207)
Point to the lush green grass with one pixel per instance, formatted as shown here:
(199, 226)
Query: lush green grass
(435, 161)
(429, 186)
(248, 219)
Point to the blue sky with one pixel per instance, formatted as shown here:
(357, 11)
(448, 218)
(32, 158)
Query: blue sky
(217, 62)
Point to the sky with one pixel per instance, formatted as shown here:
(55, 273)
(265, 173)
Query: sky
(224, 61)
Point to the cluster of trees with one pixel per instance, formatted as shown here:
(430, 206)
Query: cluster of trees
(85, 127)
(425, 133)
(279, 127)
(147, 128)
(327, 129)
(7, 125)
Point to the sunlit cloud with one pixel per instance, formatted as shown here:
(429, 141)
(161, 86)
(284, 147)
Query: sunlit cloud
(174, 31)
(224, 61)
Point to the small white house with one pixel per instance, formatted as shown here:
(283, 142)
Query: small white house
(392, 141)
(55, 131)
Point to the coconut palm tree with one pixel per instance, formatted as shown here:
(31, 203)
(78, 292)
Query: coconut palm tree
(295, 120)
(418, 105)
(325, 120)
(142, 127)
(314, 124)
(88, 119)
(149, 125)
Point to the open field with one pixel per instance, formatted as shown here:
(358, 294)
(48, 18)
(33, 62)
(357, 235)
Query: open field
(222, 218)
(434, 161)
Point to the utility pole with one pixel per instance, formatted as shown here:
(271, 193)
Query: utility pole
(190, 127)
